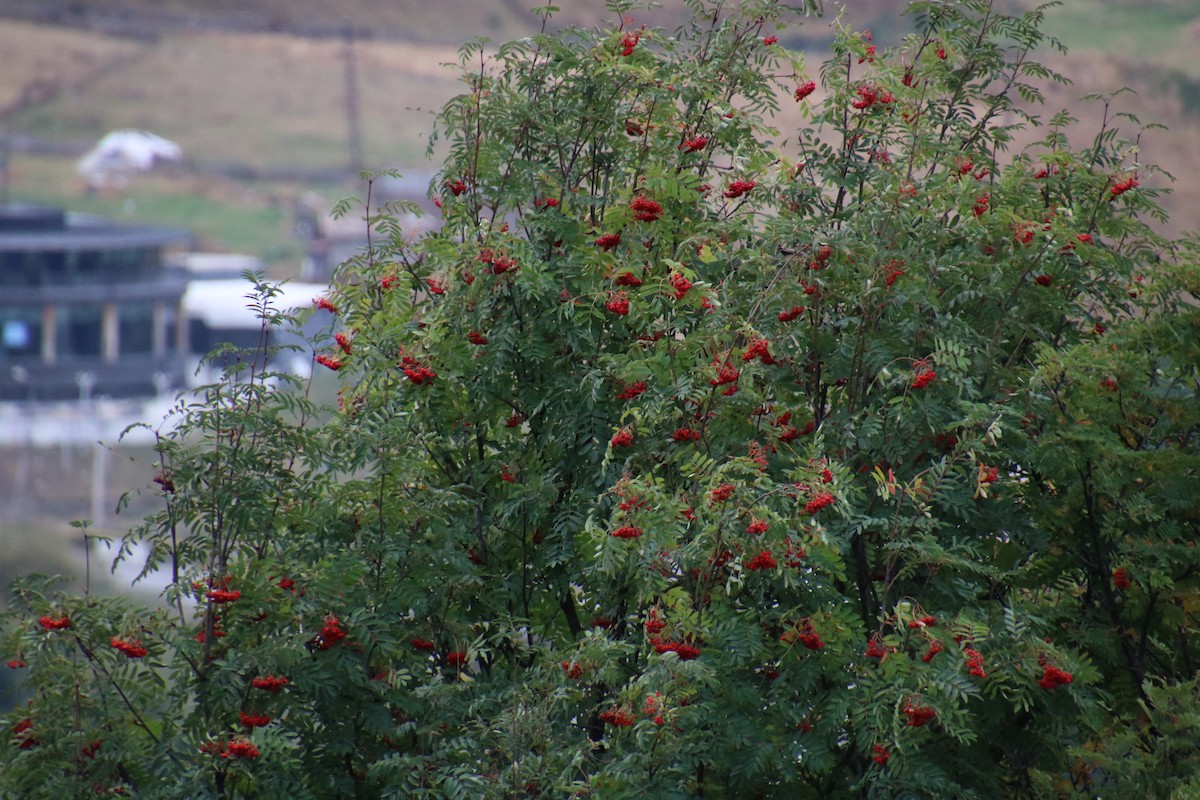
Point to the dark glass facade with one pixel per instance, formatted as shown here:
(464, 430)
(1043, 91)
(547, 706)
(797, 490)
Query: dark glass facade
(81, 295)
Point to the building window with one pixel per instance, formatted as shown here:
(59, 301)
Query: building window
(20, 333)
(18, 269)
(79, 332)
(137, 328)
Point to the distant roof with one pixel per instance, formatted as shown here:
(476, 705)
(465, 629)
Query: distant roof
(213, 266)
(27, 228)
(224, 304)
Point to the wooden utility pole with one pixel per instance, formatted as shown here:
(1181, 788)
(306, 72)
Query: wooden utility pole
(353, 117)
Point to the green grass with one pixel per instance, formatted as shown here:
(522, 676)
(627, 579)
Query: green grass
(1141, 32)
(223, 215)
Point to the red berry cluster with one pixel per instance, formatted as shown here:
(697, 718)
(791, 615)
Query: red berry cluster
(497, 263)
(20, 730)
(875, 648)
(622, 438)
(680, 284)
(645, 209)
(806, 634)
(631, 390)
(880, 754)
(1024, 232)
(1121, 187)
(254, 720)
(627, 278)
(329, 362)
(54, 623)
(822, 500)
(981, 204)
(869, 94)
(918, 715)
(762, 561)
(415, 371)
(331, 633)
(629, 41)
(608, 241)
(323, 303)
(685, 650)
(726, 374)
(234, 748)
(721, 493)
(820, 259)
(935, 647)
(756, 527)
(132, 648)
(217, 633)
(627, 532)
(1120, 578)
(270, 683)
(573, 669)
(685, 434)
(1053, 677)
(456, 659)
(924, 378)
(617, 717)
(805, 89)
(869, 55)
(791, 314)
(223, 595)
(653, 707)
(739, 189)
(241, 749)
(477, 338)
(694, 144)
(893, 270)
(974, 661)
(760, 349)
(618, 303)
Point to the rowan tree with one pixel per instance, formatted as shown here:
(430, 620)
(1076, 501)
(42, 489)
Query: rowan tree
(688, 458)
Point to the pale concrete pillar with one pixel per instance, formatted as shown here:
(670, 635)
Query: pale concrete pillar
(49, 334)
(182, 345)
(158, 326)
(110, 333)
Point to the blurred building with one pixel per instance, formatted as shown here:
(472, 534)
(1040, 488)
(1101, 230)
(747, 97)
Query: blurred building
(223, 313)
(87, 307)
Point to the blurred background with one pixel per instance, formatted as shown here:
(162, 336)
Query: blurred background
(209, 136)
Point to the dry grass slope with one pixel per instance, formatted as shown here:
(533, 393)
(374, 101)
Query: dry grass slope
(274, 100)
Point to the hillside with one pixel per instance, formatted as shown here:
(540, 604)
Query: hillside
(414, 20)
(249, 96)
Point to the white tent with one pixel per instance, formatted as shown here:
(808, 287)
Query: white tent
(121, 152)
